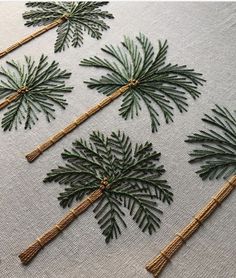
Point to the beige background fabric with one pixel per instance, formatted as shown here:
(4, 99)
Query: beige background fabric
(200, 35)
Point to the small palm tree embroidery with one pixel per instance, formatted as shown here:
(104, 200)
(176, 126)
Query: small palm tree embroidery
(73, 19)
(143, 78)
(31, 88)
(115, 173)
(218, 145)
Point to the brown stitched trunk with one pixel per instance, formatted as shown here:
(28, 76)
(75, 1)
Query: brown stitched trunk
(13, 97)
(32, 36)
(158, 263)
(9, 100)
(27, 255)
(56, 137)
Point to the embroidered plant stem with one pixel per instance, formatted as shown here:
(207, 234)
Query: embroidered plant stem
(13, 97)
(158, 263)
(56, 137)
(34, 35)
(27, 255)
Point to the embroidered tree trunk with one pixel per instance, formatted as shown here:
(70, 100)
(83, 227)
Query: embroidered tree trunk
(40, 242)
(33, 36)
(158, 263)
(13, 97)
(56, 137)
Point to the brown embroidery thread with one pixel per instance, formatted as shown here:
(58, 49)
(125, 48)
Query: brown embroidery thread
(156, 265)
(27, 255)
(13, 97)
(34, 35)
(56, 137)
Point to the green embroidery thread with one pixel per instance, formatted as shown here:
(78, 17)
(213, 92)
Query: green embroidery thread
(31, 88)
(218, 145)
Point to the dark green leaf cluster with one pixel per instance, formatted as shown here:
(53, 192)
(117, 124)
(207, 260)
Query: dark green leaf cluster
(46, 88)
(159, 83)
(81, 17)
(218, 145)
(133, 174)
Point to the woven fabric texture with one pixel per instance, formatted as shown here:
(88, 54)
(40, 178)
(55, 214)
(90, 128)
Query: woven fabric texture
(200, 35)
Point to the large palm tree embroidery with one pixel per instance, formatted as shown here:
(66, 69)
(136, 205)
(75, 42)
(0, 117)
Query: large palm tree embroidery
(116, 173)
(143, 78)
(73, 19)
(156, 84)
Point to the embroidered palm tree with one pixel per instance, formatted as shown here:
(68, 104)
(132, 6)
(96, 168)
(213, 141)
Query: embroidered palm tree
(156, 84)
(115, 173)
(217, 153)
(71, 18)
(143, 77)
(31, 88)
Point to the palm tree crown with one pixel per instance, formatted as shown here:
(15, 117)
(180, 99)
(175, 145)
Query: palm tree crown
(79, 17)
(156, 84)
(133, 175)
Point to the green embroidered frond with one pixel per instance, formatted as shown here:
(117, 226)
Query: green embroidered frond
(218, 145)
(80, 17)
(159, 86)
(110, 216)
(46, 87)
(133, 174)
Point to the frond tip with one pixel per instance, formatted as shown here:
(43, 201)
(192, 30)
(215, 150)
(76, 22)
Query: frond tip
(42, 87)
(159, 85)
(218, 145)
(79, 17)
(133, 175)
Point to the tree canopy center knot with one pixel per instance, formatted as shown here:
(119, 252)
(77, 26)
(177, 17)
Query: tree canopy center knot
(133, 82)
(22, 90)
(65, 16)
(104, 183)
